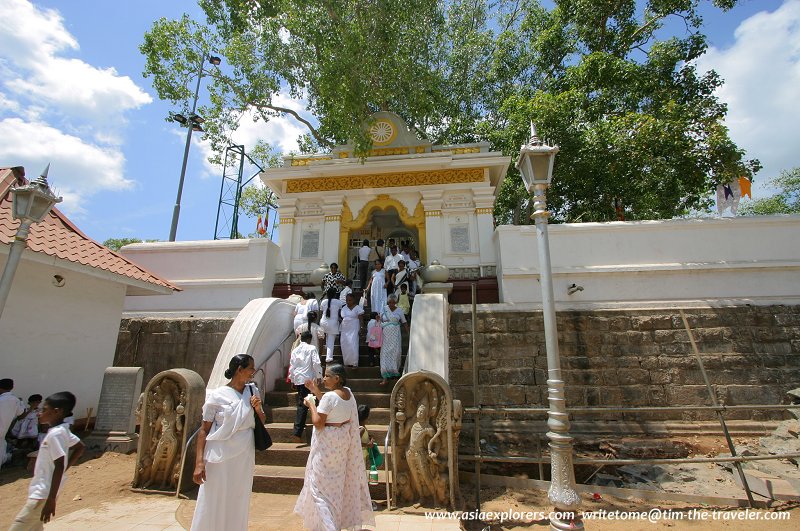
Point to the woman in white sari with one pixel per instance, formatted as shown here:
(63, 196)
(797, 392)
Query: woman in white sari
(225, 457)
(392, 348)
(377, 287)
(331, 315)
(351, 326)
(335, 493)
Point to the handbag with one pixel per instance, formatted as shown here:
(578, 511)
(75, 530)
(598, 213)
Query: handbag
(260, 433)
(375, 455)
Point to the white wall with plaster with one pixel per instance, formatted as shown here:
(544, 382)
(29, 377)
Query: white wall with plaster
(59, 338)
(215, 275)
(744, 260)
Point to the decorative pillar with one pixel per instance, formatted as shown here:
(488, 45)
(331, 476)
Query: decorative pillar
(286, 218)
(332, 207)
(432, 205)
(484, 214)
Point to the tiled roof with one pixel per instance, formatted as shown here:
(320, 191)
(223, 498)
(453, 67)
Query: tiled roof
(57, 236)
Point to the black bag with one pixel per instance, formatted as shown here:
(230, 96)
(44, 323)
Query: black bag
(260, 433)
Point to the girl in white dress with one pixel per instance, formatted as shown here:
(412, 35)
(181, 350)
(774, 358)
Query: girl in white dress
(331, 308)
(351, 326)
(377, 287)
(335, 493)
(225, 457)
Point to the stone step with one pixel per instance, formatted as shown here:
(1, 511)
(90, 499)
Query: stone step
(288, 454)
(282, 432)
(358, 385)
(377, 415)
(286, 398)
(289, 480)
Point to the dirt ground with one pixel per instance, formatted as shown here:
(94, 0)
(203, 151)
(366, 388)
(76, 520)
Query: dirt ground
(99, 479)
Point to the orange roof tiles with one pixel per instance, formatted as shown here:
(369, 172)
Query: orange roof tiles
(57, 236)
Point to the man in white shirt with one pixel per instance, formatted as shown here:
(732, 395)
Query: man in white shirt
(347, 290)
(390, 264)
(11, 407)
(363, 263)
(304, 365)
(412, 265)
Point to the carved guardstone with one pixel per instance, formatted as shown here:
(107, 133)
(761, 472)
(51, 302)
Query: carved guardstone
(426, 424)
(115, 424)
(170, 412)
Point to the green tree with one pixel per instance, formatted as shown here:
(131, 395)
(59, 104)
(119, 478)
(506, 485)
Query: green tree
(785, 201)
(603, 78)
(115, 244)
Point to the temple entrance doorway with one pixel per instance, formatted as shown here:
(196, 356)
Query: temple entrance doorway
(384, 224)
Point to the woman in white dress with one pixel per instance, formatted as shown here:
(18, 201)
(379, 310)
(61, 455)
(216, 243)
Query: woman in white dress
(392, 348)
(335, 493)
(316, 330)
(308, 304)
(225, 457)
(351, 326)
(331, 308)
(377, 287)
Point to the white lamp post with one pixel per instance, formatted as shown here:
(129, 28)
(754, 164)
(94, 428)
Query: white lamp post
(30, 204)
(536, 166)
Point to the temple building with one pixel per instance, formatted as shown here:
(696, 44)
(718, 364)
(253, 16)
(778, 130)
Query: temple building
(438, 197)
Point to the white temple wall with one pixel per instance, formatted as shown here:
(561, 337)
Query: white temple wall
(754, 260)
(215, 275)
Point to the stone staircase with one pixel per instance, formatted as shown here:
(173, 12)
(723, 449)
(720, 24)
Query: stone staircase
(281, 468)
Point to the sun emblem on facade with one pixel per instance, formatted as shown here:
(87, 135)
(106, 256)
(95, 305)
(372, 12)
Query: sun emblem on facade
(382, 132)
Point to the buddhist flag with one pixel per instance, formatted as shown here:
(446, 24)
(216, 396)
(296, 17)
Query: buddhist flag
(728, 196)
(261, 227)
(744, 186)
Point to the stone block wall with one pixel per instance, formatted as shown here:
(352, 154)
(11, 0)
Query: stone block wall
(632, 358)
(161, 344)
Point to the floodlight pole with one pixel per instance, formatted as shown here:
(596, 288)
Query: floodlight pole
(176, 211)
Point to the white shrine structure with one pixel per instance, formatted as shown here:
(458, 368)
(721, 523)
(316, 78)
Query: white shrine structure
(440, 198)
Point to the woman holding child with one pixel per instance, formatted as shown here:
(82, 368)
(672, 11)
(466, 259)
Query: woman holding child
(335, 493)
(225, 458)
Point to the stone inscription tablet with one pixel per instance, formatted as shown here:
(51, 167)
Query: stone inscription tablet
(459, 236)
(121, 389)
(310, 244)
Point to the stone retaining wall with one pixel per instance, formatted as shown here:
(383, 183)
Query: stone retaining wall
(632, 358)
(161, 344)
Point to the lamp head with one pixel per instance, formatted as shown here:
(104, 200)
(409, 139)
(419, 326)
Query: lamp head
(33, 201)
(535, 162)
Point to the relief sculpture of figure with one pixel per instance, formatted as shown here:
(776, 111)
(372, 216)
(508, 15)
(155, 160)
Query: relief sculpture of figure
(420, 431)
(167, 434)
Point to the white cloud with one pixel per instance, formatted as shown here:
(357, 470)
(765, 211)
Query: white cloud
(279, 132)
(78, 168)
(762, 75)
(32, 40)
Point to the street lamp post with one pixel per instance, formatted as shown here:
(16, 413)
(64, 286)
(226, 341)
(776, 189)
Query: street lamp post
(30, 204)
(192, 123)
(536, 166)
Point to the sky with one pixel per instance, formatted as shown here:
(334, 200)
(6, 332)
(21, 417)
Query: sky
(72, 94)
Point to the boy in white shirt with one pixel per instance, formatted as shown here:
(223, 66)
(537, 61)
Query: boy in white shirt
(53, 460)
(26, 430)
(304, 365)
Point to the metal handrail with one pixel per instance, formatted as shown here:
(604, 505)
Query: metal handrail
(386, 466)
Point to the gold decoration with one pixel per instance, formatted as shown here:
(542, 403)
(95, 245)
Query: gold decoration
(382, 132)
(389, 151)
(333, 218)
(433, 213)
(384, 180)
(308, 160)
(420, 149)
(484, 211)
(344, 154)
(458, 151)
(287, 221)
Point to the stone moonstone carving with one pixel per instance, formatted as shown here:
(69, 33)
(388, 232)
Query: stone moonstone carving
(425, 427)
(170, 412)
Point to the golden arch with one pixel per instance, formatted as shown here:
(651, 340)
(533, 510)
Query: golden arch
(348, 223)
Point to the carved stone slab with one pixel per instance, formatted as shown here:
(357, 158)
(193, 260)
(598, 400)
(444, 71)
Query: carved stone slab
(425, 427)
(170, 412)
(115, 425)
